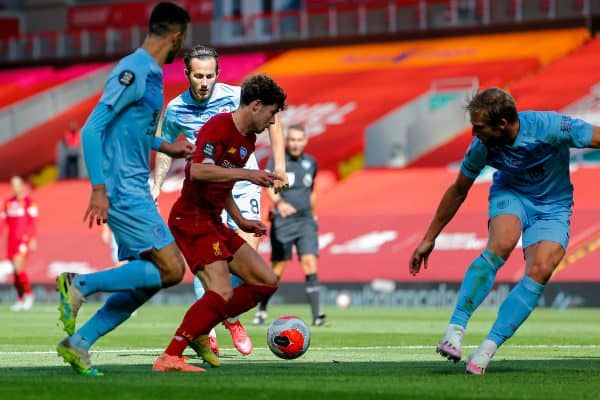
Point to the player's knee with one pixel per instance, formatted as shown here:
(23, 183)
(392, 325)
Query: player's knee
(540, 272)
(271, 279)
(173, 273)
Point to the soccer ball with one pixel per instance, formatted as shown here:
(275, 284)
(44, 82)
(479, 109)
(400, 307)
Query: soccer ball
(343, 300)
(288, 337)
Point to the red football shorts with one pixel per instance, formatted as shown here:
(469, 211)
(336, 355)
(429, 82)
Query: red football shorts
(203, 242)
(17, 246)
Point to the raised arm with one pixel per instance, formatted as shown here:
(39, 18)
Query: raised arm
(278, 147)
(449, 204)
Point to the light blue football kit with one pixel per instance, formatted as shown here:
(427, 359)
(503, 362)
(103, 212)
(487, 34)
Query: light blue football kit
(532, 182)
(117, 139)
(185, 115)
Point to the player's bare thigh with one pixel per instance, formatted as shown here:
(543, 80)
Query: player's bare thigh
(541, 259)
(504, 234)
(251, 268)
(169, 262)
(215, 277)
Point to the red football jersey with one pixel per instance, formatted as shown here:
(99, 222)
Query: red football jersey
(19, 215)
(218, 142)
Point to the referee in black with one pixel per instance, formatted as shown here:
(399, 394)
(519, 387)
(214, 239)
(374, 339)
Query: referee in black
(293, 222)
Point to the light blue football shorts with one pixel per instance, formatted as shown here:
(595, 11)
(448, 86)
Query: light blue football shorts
(539, 221)
(138, 227)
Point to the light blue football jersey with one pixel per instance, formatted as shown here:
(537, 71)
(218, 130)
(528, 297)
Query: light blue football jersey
(134, 91)
(185, 115)
(537, 163)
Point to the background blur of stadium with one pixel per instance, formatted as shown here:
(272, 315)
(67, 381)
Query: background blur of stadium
(380, 86)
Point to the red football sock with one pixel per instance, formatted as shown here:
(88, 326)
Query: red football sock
(25, 285)
(247, 296)
(18, 285)
(203, 315)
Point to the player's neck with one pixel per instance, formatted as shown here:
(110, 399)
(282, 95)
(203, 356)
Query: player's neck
(158, 48)
(241, 121)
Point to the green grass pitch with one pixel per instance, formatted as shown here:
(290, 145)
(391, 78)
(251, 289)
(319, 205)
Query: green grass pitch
(374, 353)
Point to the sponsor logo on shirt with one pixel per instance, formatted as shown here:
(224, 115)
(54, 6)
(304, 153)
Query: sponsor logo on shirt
(209, 149)
(126, 78)
(565, 124)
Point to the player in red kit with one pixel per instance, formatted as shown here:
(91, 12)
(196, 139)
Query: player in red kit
(212, 250)
(19, 213)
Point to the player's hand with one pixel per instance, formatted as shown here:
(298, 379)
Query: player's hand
(262, 178)
(155, 191)
(33, 244)
(285, 209)
(98, 208)
(420, 256)
(251, 226)
(283, 184)
(183, 149)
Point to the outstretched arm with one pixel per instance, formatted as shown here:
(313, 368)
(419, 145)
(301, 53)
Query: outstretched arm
(451, 201)
(214, 173)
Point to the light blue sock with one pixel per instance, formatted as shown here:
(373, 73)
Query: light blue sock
(476, 285)
(138, 274)
(235, 281)
(118, 308)
(515, 309)
(199, 289)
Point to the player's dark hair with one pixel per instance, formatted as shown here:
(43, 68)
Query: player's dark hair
(493, 104)
(261, 87)
(200, 52)
(167, 17)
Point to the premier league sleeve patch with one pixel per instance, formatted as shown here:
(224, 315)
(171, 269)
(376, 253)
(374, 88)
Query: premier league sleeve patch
(126, 77)
(209, 149)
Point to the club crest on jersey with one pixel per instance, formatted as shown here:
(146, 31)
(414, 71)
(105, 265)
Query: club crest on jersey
(209, 149)
(243, 152)
(306, 164)
(126, 78)
(224, 109)
(232, 150)
(217, 249)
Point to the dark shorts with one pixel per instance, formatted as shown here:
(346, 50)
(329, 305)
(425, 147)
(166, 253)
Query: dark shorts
(203, 242)
(300, 232)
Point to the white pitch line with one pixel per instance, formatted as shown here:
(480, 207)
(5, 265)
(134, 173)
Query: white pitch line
(410, 347)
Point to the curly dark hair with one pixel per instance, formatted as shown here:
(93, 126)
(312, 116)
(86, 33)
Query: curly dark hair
(166, 17)
(200, 51)
(493, 104)
(261, 87)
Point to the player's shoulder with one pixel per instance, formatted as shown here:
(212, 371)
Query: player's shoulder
(135, 66)
(224, 90)
(177, 102)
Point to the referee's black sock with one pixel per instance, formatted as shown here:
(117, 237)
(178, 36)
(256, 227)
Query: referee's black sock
(312, 294)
